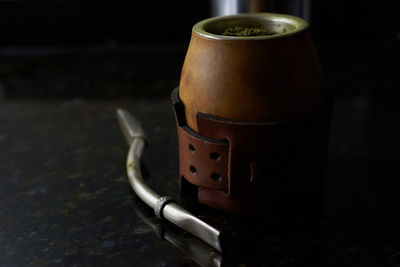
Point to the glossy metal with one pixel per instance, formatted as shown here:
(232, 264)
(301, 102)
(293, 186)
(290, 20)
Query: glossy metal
(160, 204)
(134, 130)
(172, 212)
(284, 25)
(229, 7)
(194, 248)
(299, 8)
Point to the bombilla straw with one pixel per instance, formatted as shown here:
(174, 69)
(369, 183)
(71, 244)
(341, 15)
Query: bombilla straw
(164, 207)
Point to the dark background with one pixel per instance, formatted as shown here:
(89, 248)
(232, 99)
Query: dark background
(39, 22)
(66, 65)
(106, 48)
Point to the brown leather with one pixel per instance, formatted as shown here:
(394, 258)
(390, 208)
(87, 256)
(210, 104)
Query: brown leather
(197, 164)
(247, 80)
(262, 166)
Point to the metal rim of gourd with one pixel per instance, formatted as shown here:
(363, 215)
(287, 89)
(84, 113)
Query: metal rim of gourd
(284, 25)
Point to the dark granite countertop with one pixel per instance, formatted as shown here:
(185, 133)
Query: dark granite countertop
(66, 200)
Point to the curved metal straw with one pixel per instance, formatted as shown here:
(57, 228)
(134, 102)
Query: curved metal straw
(164, 207)
(191, 246)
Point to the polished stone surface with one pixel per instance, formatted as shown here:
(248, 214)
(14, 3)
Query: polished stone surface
(65, 199)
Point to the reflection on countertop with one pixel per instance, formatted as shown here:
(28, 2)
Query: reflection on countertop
(66, 200)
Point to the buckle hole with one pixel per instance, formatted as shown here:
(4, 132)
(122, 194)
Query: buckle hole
(191, 148)
(214, 156)
(216, 177)
(192, 169)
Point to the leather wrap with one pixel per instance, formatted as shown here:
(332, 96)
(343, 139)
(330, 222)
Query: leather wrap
(255, 167)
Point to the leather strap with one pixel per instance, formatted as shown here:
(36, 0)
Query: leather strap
(246, 167)
(202, 161)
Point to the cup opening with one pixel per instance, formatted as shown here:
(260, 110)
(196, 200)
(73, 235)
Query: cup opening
(242, 27)
(250, 26)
